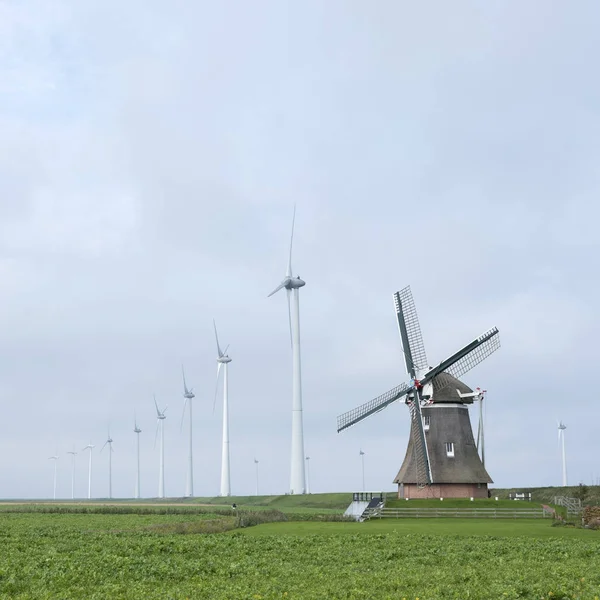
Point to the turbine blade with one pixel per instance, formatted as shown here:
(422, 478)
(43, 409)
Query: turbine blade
(289, 301)
(279, 287)
(226, 348)
(103, 446)
(216, 386)
(289, 267)
(184, 383)
(183, 416)
(217, 338)
(156, 404)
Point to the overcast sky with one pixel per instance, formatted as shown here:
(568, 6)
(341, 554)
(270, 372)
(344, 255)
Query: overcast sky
(150, 157)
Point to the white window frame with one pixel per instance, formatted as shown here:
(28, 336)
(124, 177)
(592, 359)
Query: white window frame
(426, 422)
(450, 449)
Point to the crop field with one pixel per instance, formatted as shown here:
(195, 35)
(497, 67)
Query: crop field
(179, 556)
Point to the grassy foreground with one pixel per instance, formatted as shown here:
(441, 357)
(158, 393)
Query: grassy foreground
(93, 556)
(531, 528)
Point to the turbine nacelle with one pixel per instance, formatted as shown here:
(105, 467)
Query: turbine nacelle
(294, 283)
(224, 359)
(189, 394)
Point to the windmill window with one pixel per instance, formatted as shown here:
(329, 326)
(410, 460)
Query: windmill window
(450, 449)
(426, 421)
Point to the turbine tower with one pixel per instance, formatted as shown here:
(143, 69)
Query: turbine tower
(109, 441)
(73, 455)
(89, 447)
(137, 431)
(55, 459)
(189, 396)
(223, 361)
(292, 286)
(160, 424)
(561, 441)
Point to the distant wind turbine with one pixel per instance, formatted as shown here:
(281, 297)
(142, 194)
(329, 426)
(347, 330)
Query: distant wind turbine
(73, 455)
(256, 463)
(137, 431)
(561, 441)
(292, 286)
(160, 425)
(55, 459)
(109, 441)
(89, 447)
(188, 396)
(223, 361)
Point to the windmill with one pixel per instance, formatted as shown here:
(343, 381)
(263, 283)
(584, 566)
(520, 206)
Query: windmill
(73, 455)
(561, 441)
(188, 396)
(109, 441)
(223, 360)
(55, 459)
(292, 286)
(137, 432)
(441, 458)
(160, 425)
(89, 447)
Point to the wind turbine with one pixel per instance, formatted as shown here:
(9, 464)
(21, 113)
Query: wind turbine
(160, 424)
(223, 361)
(109, 441)
(561, 441)
(73, 455)
(292, 286)
(137, 431)
(89, 447)
(256, 463)
(55, 459)
(362, 459)
(189, 396)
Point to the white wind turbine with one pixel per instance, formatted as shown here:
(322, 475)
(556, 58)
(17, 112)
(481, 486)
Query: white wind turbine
(109, 441)
(189, 396)
(160, 424)
(223, 361)
(89, 447)
(292, 286)
(137, 431)
(73, 455)
(561, 441)
(55, 459)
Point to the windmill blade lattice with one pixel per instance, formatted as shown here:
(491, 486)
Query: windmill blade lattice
(368, 408)
(410, 330)
(484, 345)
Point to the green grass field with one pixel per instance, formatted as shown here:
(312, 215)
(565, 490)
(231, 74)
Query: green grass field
(531, 528)
(146, 555)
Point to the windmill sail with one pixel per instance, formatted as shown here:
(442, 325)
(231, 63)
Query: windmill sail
(423, 467)
(410, 332)
(368, 408)
(464, 360)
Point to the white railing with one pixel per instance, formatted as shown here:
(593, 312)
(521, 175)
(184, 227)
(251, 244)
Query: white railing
(481, 513)
(573, 505)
